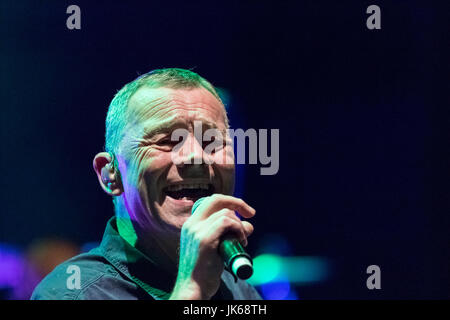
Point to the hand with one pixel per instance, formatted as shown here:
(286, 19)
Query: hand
(200, 265)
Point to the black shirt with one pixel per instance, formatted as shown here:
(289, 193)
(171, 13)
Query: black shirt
(117, 270)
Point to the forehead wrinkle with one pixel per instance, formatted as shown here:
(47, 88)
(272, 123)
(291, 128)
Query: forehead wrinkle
(193, 111)
(155, 112)
(169, 122)
(158, 106)
(146, 110)
(154, 127)
(168, 111)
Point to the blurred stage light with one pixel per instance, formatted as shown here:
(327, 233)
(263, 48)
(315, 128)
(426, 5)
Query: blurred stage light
(270, 268)
(276, 290)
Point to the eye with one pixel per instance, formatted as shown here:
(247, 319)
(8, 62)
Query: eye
(216, 143)
(164, 141)
(168, 142)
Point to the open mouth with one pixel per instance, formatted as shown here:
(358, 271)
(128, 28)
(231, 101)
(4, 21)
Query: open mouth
(189, 191)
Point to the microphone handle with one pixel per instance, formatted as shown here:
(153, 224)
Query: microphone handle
(236, 259)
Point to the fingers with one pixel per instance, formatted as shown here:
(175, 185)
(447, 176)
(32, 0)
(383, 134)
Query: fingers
(248, 228)
(217, 202)
(215, 217)
(224, 222)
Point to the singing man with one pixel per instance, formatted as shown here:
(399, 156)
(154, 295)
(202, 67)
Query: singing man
(153, 247)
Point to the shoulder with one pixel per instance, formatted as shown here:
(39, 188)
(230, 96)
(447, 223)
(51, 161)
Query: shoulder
(85, 276)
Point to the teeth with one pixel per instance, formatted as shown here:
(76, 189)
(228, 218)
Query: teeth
(178, 187)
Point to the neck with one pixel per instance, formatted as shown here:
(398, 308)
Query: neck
(157, 244)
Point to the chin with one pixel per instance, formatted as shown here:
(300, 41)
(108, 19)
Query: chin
(173, 218)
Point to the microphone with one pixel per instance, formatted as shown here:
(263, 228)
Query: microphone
(233, 254)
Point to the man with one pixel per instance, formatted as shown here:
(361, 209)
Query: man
(154, 248)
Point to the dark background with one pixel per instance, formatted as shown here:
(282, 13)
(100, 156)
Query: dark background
(363, 118)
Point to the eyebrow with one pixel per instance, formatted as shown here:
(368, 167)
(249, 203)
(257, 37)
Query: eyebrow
(170, 125)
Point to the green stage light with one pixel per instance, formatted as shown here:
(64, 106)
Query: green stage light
(294, 269)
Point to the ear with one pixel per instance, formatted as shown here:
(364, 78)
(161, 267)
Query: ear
(108, 176)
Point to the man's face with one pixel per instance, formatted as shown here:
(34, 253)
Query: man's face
(156, 191)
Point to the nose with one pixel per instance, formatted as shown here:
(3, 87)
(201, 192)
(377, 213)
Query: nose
(191, 152)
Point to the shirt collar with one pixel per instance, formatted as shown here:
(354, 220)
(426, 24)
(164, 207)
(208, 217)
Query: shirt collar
(136, 266)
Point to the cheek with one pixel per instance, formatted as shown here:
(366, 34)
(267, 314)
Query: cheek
(228, 178)
(224, 157)
(155, 168)
(226, 170)
(147, 168)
